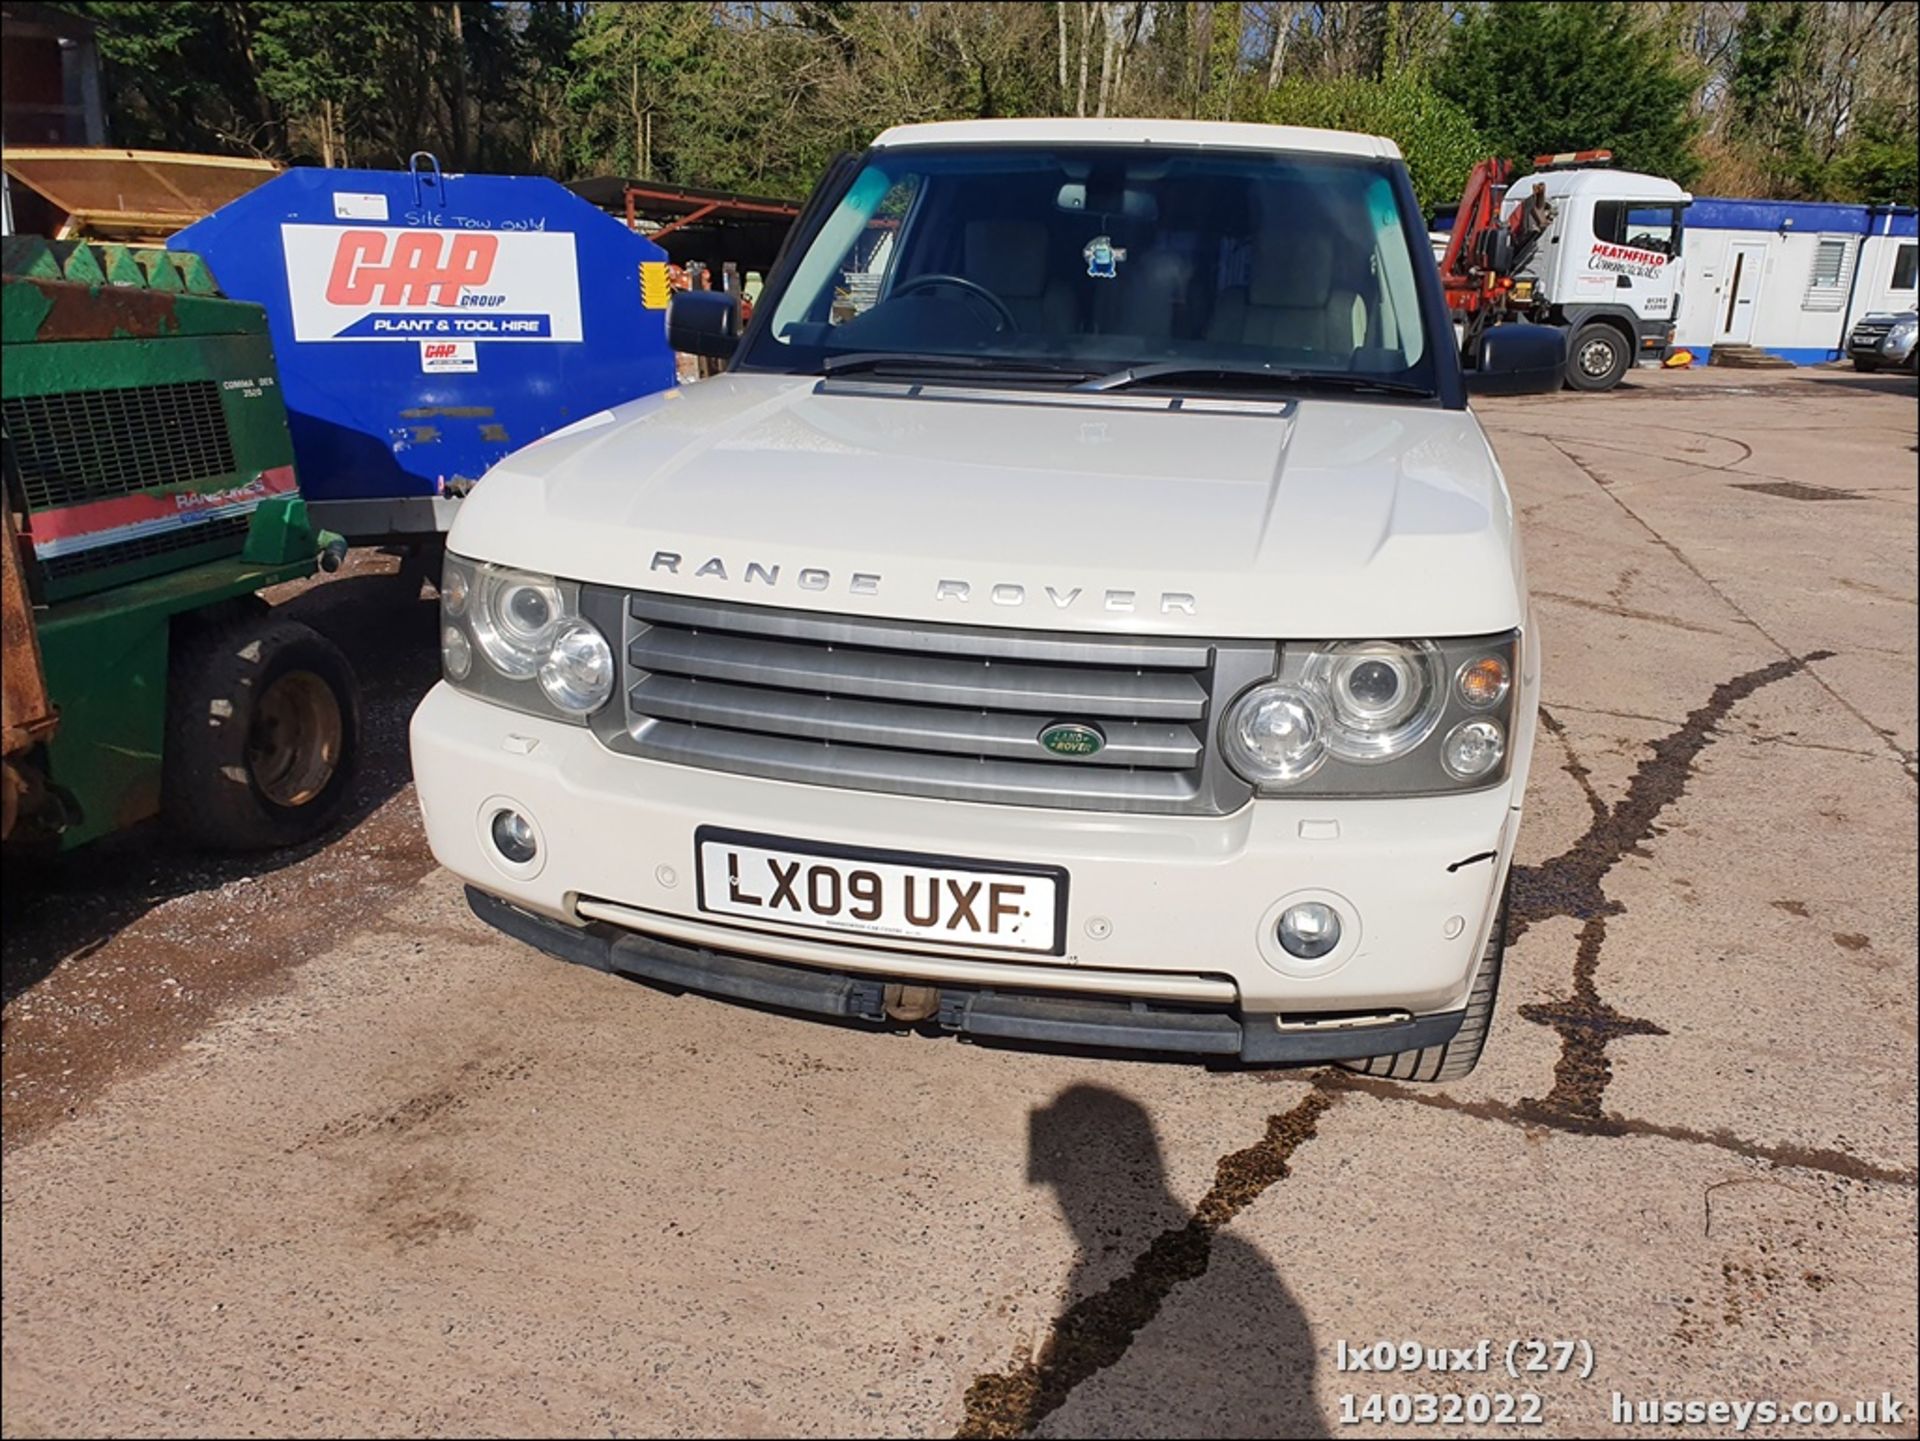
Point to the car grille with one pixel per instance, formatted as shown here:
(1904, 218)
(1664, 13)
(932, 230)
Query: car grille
(949, 711)
(82, 445)
(1868, 334)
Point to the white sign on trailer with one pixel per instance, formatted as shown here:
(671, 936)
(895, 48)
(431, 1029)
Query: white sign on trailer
(393, 283)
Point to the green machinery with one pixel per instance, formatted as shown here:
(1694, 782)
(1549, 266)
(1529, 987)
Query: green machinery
(150, 495)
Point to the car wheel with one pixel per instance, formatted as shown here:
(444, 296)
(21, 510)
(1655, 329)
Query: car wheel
(1865, 366)
(1460, 1055)
(263, 733)
(1598, 356)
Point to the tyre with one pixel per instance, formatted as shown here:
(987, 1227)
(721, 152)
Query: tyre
(1864, 365)
(1460, 1055)
(263, 733)
(1598, 356)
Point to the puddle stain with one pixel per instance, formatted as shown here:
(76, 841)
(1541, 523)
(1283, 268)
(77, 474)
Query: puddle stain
(1798, 490)
(1573, 884)
(1096, 1332)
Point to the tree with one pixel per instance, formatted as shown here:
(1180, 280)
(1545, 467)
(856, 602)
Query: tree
(329, 68)
(1820, 98)
(1778, 97)
(1539, 76)
(1438, 139)
(1879, 163)
(185, 77)
(631, 65)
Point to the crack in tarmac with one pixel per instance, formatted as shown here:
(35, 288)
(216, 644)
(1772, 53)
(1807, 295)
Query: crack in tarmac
(1096, 1332)
(1804, 1158)
(1573, 884)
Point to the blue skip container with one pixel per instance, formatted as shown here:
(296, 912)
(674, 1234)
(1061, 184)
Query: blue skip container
(426, 325)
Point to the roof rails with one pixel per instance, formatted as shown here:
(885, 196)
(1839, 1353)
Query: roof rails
(1573, 159)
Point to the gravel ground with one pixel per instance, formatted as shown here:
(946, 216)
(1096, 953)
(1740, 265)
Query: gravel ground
(307, 1150)
(118, 954)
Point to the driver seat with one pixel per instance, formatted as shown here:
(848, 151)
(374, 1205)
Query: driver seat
(1009, 257)
(1290, 301)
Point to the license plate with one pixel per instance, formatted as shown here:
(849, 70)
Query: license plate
(882, 893)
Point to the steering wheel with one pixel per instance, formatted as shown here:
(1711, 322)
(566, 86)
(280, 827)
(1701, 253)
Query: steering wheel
(959, 282)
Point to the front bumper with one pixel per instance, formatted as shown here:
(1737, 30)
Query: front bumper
(1047, 1020)
(1163, 910)
(1881, 347)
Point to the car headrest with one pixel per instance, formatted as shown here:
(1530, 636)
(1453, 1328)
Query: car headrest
(1009, 257)
(1293, 271)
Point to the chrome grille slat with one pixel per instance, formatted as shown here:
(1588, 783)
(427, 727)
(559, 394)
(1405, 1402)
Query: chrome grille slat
(1164, 652)
(897, 675)
(953, 777)
(948, 711)
(877, 723)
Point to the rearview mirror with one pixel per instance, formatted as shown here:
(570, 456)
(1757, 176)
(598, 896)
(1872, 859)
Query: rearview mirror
(1519, 360)
(704, 322)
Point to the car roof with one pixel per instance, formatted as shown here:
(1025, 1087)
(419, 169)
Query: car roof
(1066, 131)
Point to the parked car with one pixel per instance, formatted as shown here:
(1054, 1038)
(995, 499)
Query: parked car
(1085, 610)
(1885, 342)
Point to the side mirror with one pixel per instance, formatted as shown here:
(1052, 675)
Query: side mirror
(1519, 360)
(704, 322)
(1496, 251)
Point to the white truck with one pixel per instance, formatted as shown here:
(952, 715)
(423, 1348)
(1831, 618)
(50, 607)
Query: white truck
(1607, 268)
(1084, 611)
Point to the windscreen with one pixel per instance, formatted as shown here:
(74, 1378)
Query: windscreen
(1111, 256)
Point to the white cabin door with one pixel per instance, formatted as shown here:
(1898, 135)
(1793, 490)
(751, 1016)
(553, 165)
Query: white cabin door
(1746, 263)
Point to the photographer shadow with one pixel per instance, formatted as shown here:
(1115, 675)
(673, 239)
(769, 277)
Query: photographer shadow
(1212, 1341)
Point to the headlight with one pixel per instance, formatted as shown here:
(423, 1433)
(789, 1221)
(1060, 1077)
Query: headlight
(1380, 717)
(1473, 748)
(1901, 333)
(1273, 735)
(455, 581)
(516, 619)
(1386, 697)
(518, 638)
(577, 674)
(456, 653)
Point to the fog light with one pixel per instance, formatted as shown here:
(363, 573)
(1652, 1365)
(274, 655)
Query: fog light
(1473, 748)
(513, 836)
(456, 653)
(1309, 930)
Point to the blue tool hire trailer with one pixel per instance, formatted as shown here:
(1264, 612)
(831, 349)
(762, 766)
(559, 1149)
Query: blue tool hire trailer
(427, 325)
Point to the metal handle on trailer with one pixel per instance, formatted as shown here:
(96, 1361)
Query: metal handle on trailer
(437, 180)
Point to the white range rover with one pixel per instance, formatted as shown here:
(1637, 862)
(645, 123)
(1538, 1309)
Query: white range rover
(1084, 610)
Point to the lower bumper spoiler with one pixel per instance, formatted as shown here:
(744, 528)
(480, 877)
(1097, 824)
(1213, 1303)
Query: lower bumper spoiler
(1046, 1020)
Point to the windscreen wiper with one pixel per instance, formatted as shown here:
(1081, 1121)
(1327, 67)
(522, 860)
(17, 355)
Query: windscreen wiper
(906, 360)
(1251, 372)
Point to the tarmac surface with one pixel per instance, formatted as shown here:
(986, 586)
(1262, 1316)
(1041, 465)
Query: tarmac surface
(302, 1148)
